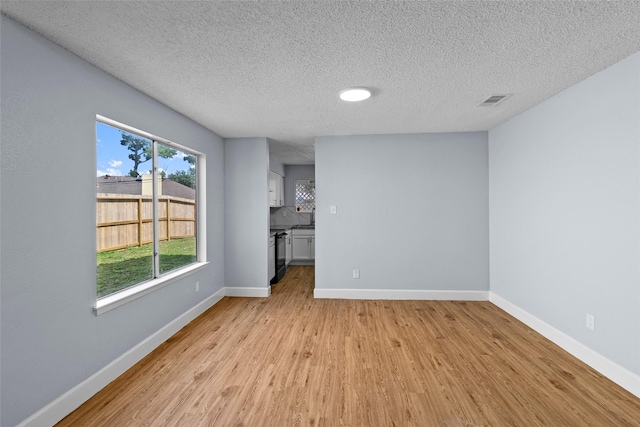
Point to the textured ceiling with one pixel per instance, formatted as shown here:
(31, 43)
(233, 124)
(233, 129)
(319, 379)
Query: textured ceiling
(274, 69)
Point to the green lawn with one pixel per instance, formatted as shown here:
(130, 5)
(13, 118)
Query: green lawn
(122, 268)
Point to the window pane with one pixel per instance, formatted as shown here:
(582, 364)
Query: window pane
(123, 210)
(177, 208)
(305, 195)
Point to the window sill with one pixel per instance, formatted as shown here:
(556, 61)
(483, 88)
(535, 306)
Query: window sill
(116, 300)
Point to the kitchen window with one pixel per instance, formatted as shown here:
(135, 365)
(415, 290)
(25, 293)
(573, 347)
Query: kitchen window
(305, 195)
(149, 216)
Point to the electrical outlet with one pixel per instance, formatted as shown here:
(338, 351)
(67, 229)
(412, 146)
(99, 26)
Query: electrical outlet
(356, 274)
(284, 213)
(197, 286)
(591, 322)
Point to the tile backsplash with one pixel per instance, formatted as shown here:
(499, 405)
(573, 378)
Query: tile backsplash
(287, 216)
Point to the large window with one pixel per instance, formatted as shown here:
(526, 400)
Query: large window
(147, 211)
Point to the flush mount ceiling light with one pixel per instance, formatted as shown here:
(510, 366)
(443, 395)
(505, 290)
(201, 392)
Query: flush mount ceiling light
(354, 94)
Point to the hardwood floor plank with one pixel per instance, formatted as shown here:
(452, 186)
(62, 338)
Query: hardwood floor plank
(291, 360)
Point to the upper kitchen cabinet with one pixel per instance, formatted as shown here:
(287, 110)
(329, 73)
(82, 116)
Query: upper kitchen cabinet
(276, 190)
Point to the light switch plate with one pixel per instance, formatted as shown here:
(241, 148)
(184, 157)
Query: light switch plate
(333, 209)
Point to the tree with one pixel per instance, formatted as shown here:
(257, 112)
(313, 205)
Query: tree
(188, 177)
(142, 151)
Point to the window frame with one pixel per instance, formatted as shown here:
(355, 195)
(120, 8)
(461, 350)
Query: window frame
(109, 302)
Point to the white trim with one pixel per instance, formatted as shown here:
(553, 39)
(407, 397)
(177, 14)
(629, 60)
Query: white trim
(72, 399)
(130, 129)
(401, 294)
(201, 206)
(155, 212)
(302, 262)
(247, 292)
(616, 373)
(127, 295)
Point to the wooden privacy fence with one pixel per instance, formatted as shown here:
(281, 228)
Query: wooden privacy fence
(126, 220)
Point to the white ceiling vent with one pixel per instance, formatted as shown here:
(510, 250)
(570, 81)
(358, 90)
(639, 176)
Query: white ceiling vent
(494, 100)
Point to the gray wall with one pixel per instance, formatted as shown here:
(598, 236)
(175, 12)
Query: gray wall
(412, 212)
(276, 165)
(50, 340)
(246, 212)
(565, 209)
(293, 172)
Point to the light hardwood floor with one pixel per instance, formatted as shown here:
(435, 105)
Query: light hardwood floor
(290, 360)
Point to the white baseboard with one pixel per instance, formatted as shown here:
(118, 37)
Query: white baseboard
(616, 373)
(247, 292)
(312, 262)
(72, 399)
(401, 294)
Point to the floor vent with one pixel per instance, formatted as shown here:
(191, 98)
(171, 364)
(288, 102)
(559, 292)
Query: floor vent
(493, 100)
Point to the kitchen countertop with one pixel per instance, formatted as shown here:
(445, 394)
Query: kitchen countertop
(293, 227)
(274, 231)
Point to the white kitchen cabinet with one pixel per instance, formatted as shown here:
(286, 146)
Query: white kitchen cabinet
(303, 244)
(276, 190)
(289, 248)
(272, 257)
(279, 190)
(312, 248)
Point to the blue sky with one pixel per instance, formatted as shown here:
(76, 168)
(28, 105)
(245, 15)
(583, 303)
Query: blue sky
(113, 158)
